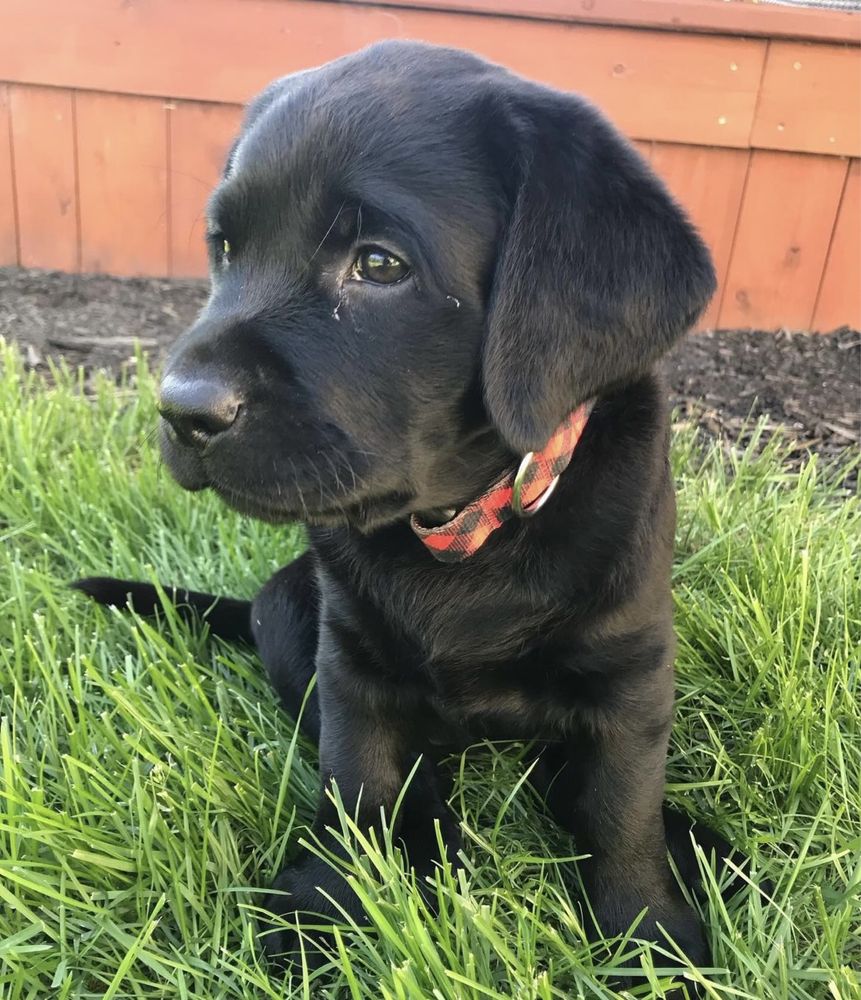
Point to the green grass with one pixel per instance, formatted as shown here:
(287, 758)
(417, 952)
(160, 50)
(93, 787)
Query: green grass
(147, 783)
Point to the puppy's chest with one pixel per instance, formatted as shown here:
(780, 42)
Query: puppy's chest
(495, 672)
(488, 652)
(539, 695)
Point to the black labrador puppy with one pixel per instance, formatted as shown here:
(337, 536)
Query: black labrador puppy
(439, 292)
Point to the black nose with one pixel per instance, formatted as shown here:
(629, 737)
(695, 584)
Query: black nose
(198, 409)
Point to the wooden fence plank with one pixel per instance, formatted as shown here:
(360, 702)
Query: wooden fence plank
(672, 15)
(43, 138)
(709, 183)
(122, 169)
(810, 99)
(839, 301)
(8, 227)
(787, 217)
(656, 85)
(643, 83)
(200, 137)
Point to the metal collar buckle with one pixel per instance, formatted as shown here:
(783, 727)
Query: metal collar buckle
(517, 487)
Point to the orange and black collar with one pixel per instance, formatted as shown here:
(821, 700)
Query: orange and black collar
(519, 493)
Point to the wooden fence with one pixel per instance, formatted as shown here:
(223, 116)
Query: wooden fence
(115, 116)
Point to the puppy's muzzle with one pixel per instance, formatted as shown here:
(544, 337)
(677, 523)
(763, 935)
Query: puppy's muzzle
(197, 409)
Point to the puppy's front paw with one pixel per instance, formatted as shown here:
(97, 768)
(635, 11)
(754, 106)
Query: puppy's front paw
(302, 894)
(668, 919)
(685, 930)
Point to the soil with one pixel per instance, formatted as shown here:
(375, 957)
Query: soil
(808, 384)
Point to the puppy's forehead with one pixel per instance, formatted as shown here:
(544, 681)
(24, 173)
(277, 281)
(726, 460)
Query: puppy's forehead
(397, 107)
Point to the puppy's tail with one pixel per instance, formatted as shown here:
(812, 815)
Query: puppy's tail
(226, 617)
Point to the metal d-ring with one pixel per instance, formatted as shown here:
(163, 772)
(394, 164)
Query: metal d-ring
(517, 487)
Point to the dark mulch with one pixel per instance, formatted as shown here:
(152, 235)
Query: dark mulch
(811, 385)
(807, 384)
(92, 320)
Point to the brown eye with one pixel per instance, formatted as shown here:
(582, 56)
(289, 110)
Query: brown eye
(379, 266)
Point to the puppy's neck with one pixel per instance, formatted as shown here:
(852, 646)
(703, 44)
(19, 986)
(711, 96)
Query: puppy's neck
(452, 479)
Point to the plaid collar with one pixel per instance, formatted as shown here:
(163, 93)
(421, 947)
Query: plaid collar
(519, 493)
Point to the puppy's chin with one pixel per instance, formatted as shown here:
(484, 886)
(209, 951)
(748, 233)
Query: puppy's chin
(276, 512)
(282, 503)
(363, 515)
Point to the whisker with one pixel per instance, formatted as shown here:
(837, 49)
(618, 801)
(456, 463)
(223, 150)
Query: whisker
(325, 236)
(359, 482)
(339, 486)
(298, 488)
(150, 435)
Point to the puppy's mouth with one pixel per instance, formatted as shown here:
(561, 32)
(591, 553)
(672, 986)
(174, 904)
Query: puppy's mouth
(314, 503)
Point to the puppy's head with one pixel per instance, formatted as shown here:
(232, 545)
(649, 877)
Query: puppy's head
(420, 264)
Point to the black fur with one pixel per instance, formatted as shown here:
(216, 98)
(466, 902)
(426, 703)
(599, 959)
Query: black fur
(548, 265)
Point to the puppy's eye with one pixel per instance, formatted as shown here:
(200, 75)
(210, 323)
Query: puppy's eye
(379, 266)
(220, 248)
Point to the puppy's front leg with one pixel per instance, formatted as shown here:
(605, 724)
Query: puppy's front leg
(367, 751)
(606, 786)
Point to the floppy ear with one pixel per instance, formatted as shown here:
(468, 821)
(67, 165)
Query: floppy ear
(599, 270)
